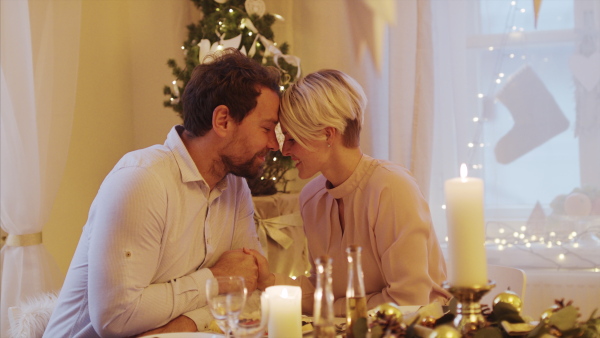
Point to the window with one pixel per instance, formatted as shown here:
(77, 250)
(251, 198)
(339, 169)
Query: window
(520, 105)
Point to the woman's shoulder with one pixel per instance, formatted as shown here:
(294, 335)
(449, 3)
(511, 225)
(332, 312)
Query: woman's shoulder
(388, 175)
(313, 189)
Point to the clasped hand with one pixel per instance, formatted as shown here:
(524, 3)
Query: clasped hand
(246, 263)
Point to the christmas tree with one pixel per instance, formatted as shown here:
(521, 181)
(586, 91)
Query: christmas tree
(241, 24)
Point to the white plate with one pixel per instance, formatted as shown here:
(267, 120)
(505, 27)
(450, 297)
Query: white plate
(185, 335)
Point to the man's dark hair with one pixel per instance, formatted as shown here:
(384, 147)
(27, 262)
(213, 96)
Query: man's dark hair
(227, 78)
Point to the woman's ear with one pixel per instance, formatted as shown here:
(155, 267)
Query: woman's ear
(221, 120)
(330, 133)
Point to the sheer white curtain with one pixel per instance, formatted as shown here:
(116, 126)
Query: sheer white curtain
(39, 55)
(386, 47)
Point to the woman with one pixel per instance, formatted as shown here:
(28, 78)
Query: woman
(358, 199)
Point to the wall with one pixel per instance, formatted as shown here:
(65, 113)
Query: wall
(123, 54)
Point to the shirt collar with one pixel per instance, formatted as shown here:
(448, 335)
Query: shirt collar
(187, 167)
(353, 182)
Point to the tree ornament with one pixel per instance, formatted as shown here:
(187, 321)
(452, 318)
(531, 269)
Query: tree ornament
(255, 7)
(511, 298)
(444, 331)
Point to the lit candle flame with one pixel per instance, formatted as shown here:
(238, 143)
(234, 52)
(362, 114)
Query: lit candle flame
(463, 171)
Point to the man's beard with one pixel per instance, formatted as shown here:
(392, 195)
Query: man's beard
(246, 169)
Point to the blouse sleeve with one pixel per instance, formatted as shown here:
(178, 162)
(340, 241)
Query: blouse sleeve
(401, 232)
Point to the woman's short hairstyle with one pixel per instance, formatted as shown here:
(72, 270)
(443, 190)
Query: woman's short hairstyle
(327, 98)
(227, 78)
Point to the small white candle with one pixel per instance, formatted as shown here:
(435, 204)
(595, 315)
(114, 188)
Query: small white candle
(285, 311)
(466, 231)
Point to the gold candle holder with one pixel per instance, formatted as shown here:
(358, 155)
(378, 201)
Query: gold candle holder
(468, 310)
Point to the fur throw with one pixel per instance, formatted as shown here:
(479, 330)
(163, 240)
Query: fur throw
(31, 317)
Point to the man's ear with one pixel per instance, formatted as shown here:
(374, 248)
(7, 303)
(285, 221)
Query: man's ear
(221, 120)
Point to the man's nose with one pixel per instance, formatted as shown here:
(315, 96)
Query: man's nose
(273, 144)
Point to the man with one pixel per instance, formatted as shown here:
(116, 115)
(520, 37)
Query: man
(169, 217)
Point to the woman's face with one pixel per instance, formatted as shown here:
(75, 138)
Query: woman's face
(308, 162)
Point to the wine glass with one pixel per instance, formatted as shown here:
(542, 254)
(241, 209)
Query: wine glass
(226, 297)
(254, 318)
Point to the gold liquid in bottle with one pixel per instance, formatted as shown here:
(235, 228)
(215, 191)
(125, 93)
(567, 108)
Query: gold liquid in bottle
(356, 302)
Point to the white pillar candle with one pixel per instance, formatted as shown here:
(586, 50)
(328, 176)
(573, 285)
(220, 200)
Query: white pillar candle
(466, 231)
(285, 311)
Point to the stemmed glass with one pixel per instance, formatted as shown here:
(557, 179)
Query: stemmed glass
(226, 297)
(254, 318)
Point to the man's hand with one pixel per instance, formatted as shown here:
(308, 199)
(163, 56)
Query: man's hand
(237, 263)
(179, 324)
(265, 277)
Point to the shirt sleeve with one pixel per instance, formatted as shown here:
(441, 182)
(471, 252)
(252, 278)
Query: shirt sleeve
(202, 317)
(128, 222)
(245, 235)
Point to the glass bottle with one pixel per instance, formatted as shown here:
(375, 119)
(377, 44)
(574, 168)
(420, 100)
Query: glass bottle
(356, 302)
(323, 306)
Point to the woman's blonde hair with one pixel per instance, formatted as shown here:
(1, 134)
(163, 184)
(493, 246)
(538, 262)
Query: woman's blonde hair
(327, 98)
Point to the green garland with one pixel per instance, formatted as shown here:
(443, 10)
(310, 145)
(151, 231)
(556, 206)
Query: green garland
(561, 320)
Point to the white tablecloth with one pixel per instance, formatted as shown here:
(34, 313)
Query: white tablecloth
(544, 286)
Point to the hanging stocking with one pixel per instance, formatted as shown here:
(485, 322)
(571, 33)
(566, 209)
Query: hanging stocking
(536, 115)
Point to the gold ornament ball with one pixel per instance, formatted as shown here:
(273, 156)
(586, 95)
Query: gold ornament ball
(548, 313)
(511, 298)
(445, 331)
(389, 309)
(428, 321)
